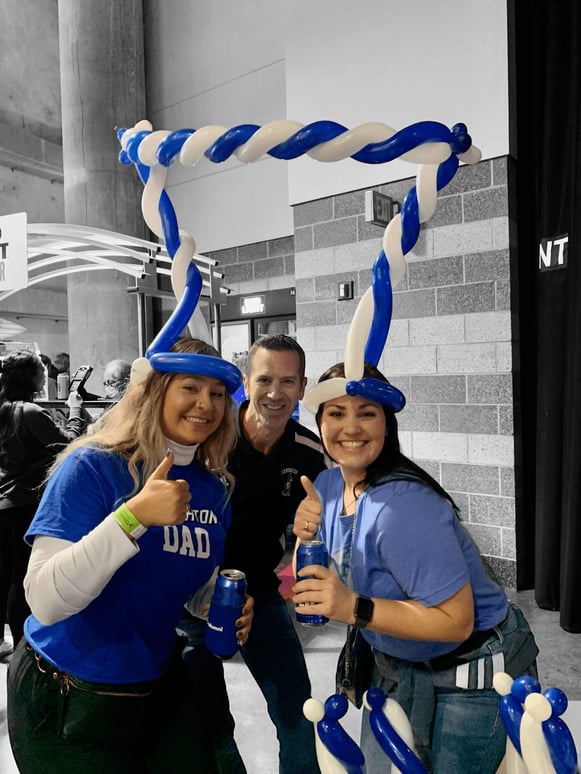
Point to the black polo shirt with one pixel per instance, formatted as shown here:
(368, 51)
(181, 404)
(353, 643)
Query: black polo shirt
(265, 498)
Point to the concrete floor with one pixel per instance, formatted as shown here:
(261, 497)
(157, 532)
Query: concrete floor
(559, 666)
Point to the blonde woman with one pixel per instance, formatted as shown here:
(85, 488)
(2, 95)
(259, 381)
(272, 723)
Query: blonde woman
(131, 524)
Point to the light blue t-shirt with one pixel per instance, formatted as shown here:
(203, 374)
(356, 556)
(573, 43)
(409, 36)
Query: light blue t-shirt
(408, 544)
(127, 634)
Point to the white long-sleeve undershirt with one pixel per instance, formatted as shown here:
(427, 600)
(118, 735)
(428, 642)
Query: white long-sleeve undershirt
(64, 577)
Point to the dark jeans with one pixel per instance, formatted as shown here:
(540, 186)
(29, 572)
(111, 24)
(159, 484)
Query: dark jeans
(206, 673)
(61, 725)
(275, 658)
(14, 556)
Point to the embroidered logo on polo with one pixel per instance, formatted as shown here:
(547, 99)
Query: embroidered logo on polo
(288, 483)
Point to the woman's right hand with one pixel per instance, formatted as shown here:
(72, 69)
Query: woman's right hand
(308, 515)
(161, 501)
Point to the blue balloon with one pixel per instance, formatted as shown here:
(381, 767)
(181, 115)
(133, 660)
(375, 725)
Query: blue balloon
(382, 303)
(511, 712)
(558, 736)
(389, 740)
(336, 739)
(524, 685)
(201, 365)
(377, 390)
(561, 746)
(133, 144)
(226, 144)
(171, 145)
(180, 317)
(511, 706)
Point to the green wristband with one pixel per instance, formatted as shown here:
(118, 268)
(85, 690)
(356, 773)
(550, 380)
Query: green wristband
(128, 522)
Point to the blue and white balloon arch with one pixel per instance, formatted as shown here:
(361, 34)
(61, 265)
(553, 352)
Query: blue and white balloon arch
(436, 150)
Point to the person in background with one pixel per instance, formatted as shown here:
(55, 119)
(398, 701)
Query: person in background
(62, 363)
(116, 379)
(132, 522)
(271, 454)
(51, 374)
(405, 571)
(29, 443)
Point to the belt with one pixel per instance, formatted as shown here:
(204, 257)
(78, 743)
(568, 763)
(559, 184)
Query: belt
(66, 681)
(474, 642)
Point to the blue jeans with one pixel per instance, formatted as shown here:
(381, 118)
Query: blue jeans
(456, 731)
(275, 658)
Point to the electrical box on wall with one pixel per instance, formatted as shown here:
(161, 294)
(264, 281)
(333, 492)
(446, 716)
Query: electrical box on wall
(379, 208)
(345, 291)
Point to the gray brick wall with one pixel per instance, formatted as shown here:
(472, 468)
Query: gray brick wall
(450, 345)
(451, 339)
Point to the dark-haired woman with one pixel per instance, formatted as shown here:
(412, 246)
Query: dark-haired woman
(29, 443)
(405, 571)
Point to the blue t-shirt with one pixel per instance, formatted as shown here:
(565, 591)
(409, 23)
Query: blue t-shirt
(407, 544)
(127, 633)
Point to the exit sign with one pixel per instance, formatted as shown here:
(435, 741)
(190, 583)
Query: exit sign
(379, 208)
(553, 253)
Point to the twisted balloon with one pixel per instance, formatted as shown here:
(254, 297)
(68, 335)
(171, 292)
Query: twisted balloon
(437, 149)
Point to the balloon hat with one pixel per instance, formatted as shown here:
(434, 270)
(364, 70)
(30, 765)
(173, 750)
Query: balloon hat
(435, 148)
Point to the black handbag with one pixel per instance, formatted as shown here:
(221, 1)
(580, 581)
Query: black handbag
(354, 667)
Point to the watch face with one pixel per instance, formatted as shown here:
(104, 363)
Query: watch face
(363, 610)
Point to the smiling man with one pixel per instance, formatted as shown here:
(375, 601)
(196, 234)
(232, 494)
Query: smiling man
(272, 453)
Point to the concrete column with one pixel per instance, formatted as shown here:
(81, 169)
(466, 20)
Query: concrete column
(102, 88)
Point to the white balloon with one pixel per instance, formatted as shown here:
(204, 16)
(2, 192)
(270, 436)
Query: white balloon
(148, 147)
(357, 336)
(351, 141)
(140, 370)
(140, 126)
(150, 199)
(198, 142)
(393, 251)
(471, 156)
(180, 263)
(426, 190)
(314, 710)
(268, 136)
(324, 391)
(534, 748)
(502, 683)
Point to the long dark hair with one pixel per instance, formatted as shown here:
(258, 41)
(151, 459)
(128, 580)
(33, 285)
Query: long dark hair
(390, 464)
(18, 381)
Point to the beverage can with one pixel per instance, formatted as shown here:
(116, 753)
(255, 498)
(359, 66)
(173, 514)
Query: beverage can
(311, 552)
(62, 386)
(225, 609)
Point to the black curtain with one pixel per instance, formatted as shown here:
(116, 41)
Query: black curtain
(546, 100)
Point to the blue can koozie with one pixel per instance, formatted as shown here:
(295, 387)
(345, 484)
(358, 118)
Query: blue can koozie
(225, 609)
(311, 552)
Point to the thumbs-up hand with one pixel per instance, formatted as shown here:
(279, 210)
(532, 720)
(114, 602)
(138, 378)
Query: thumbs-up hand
(161, 501)
(308, 515)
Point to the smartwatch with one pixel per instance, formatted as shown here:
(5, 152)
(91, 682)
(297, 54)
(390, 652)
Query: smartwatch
(363, 612)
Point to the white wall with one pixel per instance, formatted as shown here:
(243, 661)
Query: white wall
(396, 63)
(227, 62)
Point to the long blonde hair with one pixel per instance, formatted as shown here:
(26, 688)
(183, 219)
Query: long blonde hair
(132, 427)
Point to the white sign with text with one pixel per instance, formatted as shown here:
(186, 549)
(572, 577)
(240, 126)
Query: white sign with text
(13, 252)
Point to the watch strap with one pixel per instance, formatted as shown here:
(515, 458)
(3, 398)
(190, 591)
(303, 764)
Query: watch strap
(363, 611)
